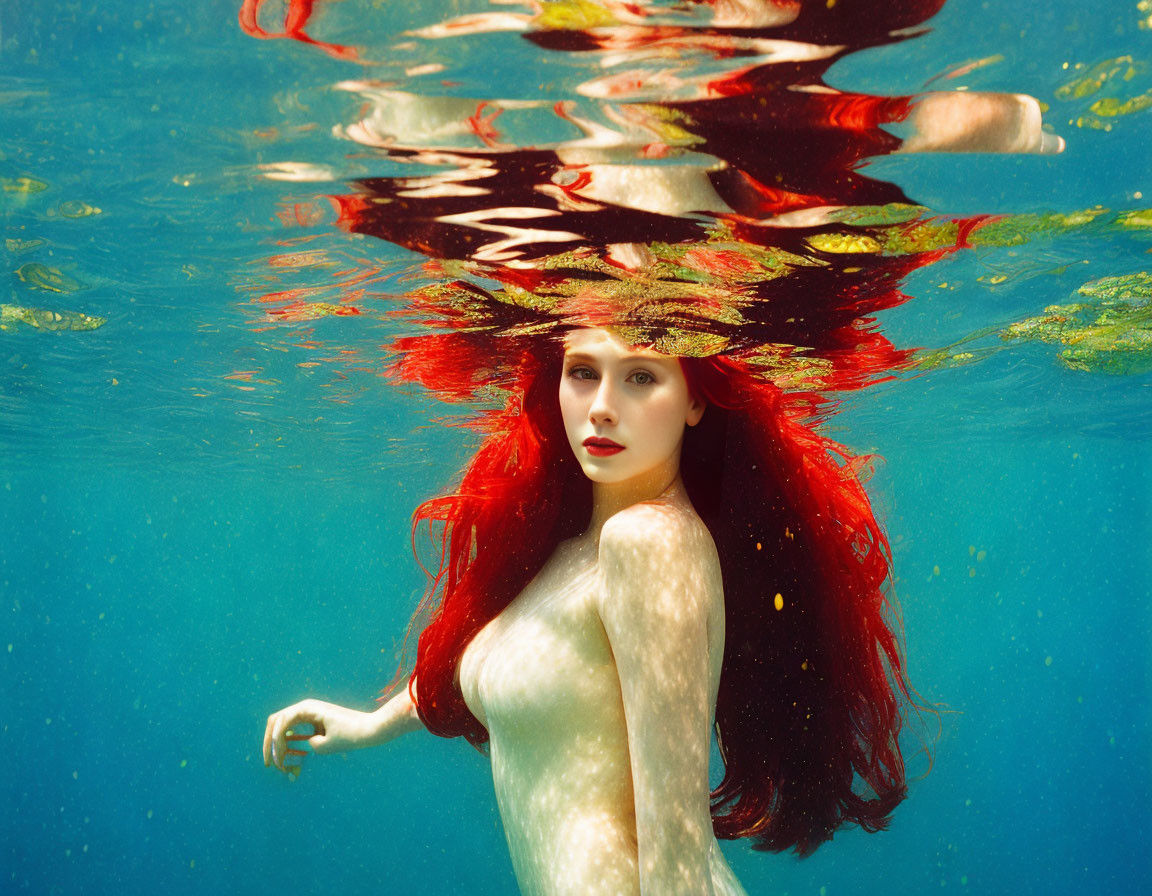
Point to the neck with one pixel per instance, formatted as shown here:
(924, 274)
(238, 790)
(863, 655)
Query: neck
(609, 498)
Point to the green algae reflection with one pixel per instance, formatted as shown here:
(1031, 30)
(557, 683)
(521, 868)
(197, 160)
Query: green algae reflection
(901, 229)
(40, 276)
(18, 245)
(1110, 332)
(1113, 76)
(22, 185)
(13, 316)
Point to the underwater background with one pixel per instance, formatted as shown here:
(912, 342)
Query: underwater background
(204, 513)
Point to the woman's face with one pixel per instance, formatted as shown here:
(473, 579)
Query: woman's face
(624, 408)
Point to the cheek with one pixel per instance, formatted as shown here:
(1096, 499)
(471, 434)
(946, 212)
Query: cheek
(664, 424)
(570, 411)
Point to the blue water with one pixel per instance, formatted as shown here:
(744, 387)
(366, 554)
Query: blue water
(196, 530)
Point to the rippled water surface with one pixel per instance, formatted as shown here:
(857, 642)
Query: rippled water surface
(206, 477)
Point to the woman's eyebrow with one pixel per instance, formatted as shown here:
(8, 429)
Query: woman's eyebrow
(581, 356)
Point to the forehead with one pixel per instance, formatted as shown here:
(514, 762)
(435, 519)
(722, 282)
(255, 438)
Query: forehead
(600, 343)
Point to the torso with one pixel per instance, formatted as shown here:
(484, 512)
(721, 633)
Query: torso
(541, 678)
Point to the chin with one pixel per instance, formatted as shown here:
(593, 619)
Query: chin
(607, 475)
(600, 475)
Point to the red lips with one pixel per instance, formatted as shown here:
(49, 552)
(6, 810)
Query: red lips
(601, 447)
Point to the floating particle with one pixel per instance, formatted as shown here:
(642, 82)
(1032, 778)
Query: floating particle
(971, 572)
(980, 555)
(183, 763)
(779, 602)
(1047, 661)
(935, 570)
(758, 546)
(971, 550)
(149, 813)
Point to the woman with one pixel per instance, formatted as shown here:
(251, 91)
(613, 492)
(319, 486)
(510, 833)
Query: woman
(686, 550)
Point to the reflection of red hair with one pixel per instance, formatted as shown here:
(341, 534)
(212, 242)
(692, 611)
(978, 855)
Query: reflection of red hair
(810, 694)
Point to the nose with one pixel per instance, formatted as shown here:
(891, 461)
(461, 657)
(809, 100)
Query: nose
(603, 407)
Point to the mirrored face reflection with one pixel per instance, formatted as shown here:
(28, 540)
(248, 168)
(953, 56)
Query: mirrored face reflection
(624, 408)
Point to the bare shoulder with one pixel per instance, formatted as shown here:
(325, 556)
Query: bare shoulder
(654, 529)
(659, 548)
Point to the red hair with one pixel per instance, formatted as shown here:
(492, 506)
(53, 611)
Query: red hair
(813, 684)
(810, 695)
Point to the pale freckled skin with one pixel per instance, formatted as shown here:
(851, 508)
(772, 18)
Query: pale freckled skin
(546, 682)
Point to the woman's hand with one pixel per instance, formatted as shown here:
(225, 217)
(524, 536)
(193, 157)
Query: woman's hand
(334, 728)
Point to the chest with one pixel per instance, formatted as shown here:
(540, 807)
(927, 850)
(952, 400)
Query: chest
(544, 662)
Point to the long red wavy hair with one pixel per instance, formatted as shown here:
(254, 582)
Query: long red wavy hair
(810, 705)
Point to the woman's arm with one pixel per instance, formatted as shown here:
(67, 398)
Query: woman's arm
(657, 596)
(336, 728)
(978, 122)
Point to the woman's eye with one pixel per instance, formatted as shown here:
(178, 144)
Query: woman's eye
(581, 373)
(642, 378)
